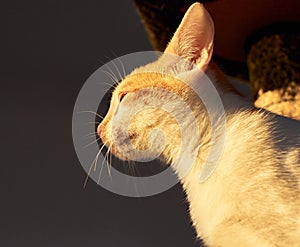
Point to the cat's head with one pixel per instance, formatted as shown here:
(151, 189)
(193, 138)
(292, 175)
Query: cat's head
(152, 108)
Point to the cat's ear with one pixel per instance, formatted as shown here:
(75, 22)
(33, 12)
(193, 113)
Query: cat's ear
(193, 39)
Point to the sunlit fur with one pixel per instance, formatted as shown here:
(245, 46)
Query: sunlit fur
(253, 197)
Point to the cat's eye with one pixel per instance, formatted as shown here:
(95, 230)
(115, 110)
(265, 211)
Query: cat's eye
(122, 95)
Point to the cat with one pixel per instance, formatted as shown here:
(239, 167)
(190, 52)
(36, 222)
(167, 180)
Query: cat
(253, 196)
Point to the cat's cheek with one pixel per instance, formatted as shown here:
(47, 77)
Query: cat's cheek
(114, 146)
(103, 133)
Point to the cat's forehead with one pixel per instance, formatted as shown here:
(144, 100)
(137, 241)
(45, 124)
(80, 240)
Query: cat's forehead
(169, 64)
(143, 80)
(167, 71)
(140, 81)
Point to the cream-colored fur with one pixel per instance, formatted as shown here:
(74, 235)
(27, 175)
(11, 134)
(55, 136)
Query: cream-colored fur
(253, 196)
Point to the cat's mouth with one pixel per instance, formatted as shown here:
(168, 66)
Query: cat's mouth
(109, 144)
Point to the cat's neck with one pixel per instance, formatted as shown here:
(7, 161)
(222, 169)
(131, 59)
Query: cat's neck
(233, 100)
(239, 111)
(233, 103)
(286, 131)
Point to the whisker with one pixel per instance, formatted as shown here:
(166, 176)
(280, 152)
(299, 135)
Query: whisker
(105, 158)
(111, 76)
(117, 69)
(92, 122)
(104, 82)
(90, 169)
(133, 170)
(123, 68)
(87, 177)
(98, 115)
(94, 163)
(112, 73)
(126, 167)
(97, 156)
(136, 189)
(100, 150)
(90, 135)
(100, 173)
(107, 162)
(120, 61)
(97, 139)
(110, 157)
(111, 85)
(101, 168)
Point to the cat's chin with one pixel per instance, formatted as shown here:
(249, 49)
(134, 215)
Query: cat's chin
(115, 151)
(134, 155)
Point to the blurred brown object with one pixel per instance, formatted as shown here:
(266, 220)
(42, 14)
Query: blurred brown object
(274, 69)
(282, 101)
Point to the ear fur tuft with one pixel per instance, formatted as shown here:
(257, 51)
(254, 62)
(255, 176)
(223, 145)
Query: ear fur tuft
(193, 40)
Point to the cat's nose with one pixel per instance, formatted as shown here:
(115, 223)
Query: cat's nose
(99, 131)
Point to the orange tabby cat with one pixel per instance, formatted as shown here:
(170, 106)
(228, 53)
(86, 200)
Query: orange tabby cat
(252, 198)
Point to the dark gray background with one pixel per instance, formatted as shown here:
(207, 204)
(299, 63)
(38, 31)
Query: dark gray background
(48, 49)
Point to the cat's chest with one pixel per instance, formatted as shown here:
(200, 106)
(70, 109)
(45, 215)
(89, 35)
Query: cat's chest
(209, 204)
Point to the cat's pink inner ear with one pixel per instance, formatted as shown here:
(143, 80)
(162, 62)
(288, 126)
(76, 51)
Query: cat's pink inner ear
(193, 40)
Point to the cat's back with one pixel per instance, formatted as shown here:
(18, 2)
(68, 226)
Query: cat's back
(257, 180)
(265, 165)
